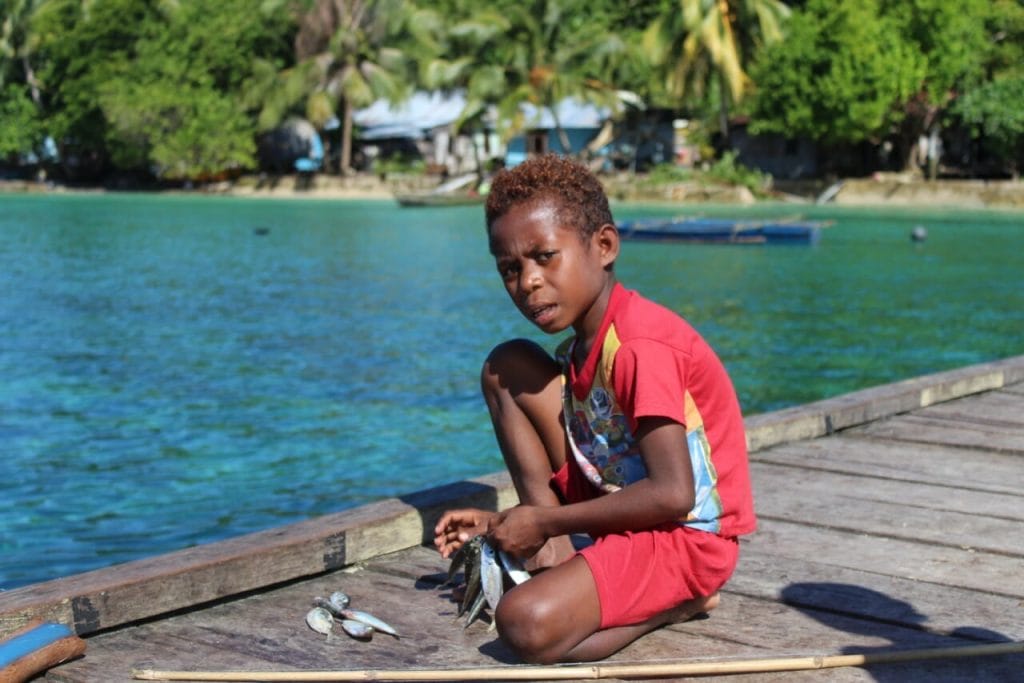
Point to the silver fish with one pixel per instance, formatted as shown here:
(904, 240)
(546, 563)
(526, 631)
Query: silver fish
(474, 610)
(513, 567)
(473, 583)
(357, 629)
(370, 620)
(491, 579)
(339, 600)
(320, 620)
(324, 603)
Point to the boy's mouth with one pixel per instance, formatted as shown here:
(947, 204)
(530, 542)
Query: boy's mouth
(541, 315)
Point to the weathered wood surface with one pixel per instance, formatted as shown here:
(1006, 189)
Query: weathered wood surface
(901, 531)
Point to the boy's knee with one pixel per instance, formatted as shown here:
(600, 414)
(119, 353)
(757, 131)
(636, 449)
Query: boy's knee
(522, 625)
(515, 365)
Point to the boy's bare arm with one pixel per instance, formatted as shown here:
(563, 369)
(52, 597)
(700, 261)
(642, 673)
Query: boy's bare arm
(667, 494)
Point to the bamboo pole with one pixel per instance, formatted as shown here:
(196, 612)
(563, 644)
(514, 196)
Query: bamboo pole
(595, 671)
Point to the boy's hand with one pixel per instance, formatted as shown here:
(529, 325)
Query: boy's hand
(518, 531)
(458, 526)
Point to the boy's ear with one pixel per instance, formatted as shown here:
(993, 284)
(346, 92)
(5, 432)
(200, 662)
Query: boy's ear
(606, 240)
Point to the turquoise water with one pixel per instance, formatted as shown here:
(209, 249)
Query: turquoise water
(176, 370)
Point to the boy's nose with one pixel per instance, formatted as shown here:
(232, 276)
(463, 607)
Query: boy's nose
(532, 279)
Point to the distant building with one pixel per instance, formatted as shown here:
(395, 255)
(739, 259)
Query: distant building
(784, 158)
(580, 121)
(423, 127)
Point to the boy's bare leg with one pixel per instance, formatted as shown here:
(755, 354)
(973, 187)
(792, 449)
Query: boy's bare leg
(609, 641)
(556, 617)
(522, 387)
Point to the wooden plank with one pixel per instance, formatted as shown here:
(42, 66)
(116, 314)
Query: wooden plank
(970, 569)
(1002, 409)
(939, 609)
(825, 417)
(785, 630)
(917, 512)
(979, 471)
(938, 431)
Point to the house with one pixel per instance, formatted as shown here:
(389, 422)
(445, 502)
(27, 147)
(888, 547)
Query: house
(423, 127)
(581, 122)
(784, 158)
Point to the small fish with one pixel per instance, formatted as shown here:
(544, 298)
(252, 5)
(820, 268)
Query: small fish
(473, 584)
(475, 608)
(370, 620)
(320, 620)
(324, 603)
(458, 560)
(339, 600)
(513, 567)
(491, 579)
(357, 629)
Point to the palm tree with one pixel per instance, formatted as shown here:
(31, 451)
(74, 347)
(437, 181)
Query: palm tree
(349, 54)
(17, 42)
(538, 52)
(697, 41)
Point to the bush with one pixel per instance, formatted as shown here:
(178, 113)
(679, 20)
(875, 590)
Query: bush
(730, 172)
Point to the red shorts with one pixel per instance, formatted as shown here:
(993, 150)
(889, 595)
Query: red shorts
(642, 573)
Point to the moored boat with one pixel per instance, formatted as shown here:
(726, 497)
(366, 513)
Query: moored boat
(459, 191)
(723, 230)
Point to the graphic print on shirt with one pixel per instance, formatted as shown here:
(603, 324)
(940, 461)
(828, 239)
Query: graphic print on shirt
(707, 504)
(607, 453)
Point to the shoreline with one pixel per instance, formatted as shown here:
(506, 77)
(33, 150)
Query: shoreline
(881, 190)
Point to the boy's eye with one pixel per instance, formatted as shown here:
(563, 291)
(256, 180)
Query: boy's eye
(508, 270)
(545, 256)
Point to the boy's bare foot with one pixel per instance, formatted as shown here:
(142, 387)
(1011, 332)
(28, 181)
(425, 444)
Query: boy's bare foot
(692, 608)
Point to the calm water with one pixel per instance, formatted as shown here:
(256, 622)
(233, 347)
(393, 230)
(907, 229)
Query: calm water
(170, 376)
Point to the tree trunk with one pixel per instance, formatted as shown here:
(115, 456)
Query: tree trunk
(723, 111)
(345, 162)
(33, 83)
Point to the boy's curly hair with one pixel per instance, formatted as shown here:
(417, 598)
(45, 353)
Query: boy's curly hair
(578, 194)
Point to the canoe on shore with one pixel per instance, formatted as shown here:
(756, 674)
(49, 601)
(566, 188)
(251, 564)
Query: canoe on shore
(724, 230)
(889, 521)
(458, 191)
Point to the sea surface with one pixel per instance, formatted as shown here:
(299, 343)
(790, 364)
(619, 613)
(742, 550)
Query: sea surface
(176, 370)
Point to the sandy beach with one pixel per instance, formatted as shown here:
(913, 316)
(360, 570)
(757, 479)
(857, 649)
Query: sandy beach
(880, 190)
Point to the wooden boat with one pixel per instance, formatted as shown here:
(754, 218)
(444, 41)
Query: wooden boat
(459, 191)
(723, 230)
(902, 532)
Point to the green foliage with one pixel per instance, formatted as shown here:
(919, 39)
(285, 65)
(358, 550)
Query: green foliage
(185, 86)
(177, 106)
(725, 171)
(729, 171)
(20, 129)
(951, 38)
(82, 47)
(996, 112)
(842, 75)
(666, 174)
(397, 164)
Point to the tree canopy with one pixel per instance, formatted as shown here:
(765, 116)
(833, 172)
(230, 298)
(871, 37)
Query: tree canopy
(181, 89)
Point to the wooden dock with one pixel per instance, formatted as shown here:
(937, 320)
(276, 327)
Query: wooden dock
(890, 519)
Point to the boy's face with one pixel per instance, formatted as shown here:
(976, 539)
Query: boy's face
(553, 275)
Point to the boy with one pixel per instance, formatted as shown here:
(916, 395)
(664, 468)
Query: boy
(632, 434)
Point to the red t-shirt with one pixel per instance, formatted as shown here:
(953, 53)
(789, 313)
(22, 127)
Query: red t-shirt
(649, 362)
